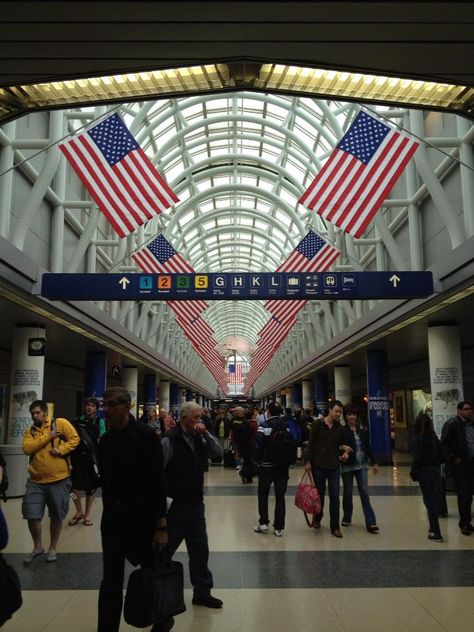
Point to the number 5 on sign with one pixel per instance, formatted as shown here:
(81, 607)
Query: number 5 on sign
(201, 282)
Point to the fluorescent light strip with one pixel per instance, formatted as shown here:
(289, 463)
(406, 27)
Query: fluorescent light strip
(316, 82)
(364, 87)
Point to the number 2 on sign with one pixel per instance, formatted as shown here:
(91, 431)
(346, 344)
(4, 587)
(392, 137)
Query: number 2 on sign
(164, 282)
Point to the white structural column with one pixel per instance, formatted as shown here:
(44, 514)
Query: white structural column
(26, 382)
(342, 384)
(164, 395)
(308, 397)
(130, 382)
(289, 397)
(444, 352)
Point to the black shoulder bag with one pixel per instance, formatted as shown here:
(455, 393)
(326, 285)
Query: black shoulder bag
(155, 592)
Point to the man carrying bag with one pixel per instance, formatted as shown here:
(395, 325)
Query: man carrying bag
(134, 500)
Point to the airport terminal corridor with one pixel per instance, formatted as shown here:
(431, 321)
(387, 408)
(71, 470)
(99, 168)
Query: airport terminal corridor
(307, 580)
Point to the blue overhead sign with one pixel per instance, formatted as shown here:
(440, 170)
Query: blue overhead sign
(235, 285)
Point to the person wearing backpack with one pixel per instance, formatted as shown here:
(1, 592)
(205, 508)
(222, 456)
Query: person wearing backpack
(85, 463)
(47, 443)
(275, 451)
(243, 437)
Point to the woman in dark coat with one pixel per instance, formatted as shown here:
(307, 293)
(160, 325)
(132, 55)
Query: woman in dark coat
(428, 455)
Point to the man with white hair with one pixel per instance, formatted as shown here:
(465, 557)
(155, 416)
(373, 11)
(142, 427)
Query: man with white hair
(186, 450)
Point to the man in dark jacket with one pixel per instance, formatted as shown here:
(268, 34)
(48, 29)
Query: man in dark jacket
(186, 450)
(458, 440)
(134, 499)
(270, 472)
(322, 458)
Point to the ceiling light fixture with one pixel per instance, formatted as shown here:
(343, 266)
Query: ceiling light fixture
(236, 75)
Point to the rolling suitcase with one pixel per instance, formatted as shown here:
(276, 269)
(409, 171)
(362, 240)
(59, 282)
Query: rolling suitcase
(229, 458)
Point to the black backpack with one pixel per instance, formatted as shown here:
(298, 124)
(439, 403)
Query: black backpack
(282, 449)
(242, 431)
(85, 458)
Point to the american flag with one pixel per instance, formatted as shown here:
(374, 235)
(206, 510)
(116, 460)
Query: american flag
(118, 174)
(235, 373)
(159, 256)
(312, 254)
(359, 174)
(200, 333)
(271, 336)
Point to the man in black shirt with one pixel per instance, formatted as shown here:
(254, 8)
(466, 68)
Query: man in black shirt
(186, 450)
(458, 440)
(134, 503)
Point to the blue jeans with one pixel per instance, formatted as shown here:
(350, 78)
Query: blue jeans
(187, 522)
(428, 477)
(279, 478)
(321, 475)
(361, 477)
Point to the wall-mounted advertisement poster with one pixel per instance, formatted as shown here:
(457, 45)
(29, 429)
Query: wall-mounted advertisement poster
(399, 408)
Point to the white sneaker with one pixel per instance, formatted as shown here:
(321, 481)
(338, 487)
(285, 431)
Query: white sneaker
(261, 528)
(278, 532)
(52, 557)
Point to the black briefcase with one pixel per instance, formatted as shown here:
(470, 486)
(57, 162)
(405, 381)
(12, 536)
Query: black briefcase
(154, 593)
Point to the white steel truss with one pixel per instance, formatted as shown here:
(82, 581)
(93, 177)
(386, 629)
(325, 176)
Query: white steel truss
(239, 163)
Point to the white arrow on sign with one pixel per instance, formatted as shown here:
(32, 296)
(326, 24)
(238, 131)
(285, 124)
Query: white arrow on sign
(124, 282)
(394, 279)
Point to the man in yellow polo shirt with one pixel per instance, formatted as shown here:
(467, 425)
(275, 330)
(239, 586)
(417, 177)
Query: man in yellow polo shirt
(47, 443)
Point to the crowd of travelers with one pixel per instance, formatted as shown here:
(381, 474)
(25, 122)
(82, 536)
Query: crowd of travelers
(139, 464)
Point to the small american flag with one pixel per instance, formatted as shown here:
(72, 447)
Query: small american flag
(159, 256)
(359, 174)
(312, 254)
(235, 373)
(118, 174)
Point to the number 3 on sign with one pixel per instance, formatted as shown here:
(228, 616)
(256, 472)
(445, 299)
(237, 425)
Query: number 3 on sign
(201, 282)
(164, 282)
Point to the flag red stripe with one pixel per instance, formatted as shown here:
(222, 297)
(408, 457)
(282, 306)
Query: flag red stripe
(157, 182)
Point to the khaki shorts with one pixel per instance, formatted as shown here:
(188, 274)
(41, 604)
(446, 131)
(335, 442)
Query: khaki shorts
(54, 495)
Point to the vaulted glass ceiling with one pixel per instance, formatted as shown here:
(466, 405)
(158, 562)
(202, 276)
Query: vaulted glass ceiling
(238, 163)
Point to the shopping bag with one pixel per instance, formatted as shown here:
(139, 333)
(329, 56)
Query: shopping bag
(307, 498)
(154, 593)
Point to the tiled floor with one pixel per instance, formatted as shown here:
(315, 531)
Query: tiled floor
(307, 581)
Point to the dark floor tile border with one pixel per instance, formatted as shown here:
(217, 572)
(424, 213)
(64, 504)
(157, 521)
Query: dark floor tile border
(241, 489)
(276, 569)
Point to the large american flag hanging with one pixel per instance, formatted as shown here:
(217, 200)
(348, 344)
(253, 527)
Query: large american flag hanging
(159, 256)
(312, 254)
(359, 174)
(118, 174)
